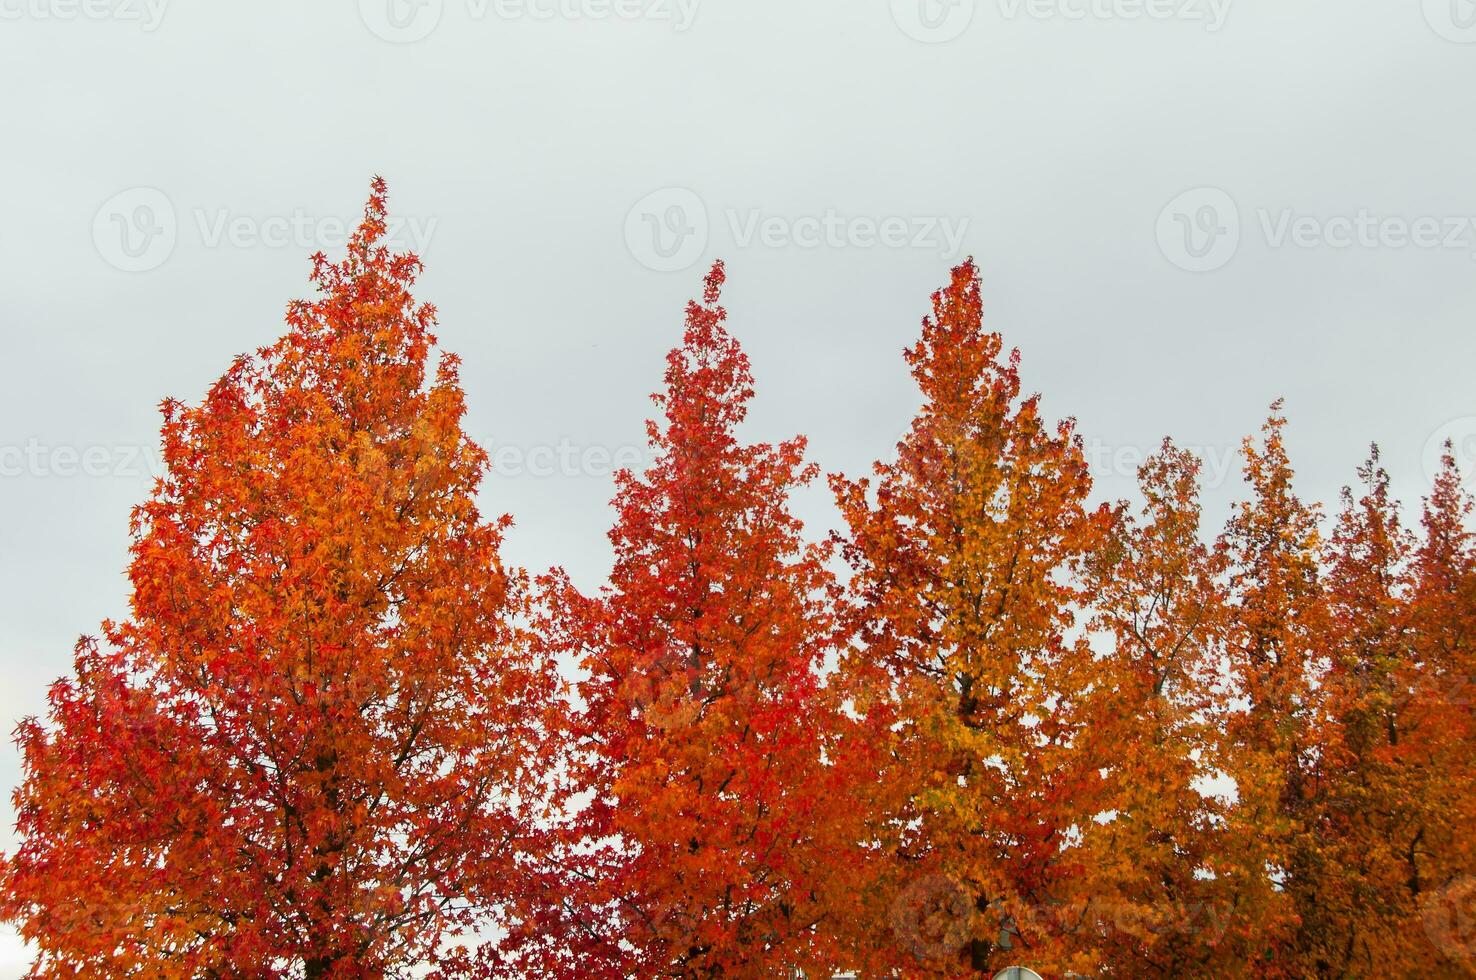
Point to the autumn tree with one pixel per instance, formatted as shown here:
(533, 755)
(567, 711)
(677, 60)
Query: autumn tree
(314, 747)
(1356, 883)
(704, 845)
(960, 552)
(1439, 864)
(1150, 907)
(1272, 609)
(332, 737)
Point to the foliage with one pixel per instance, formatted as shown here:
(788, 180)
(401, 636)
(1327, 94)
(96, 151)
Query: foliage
(992, 721)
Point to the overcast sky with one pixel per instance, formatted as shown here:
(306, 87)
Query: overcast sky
(1182, 210)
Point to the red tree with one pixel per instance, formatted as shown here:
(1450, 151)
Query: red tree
(314, 748)
(706, 848)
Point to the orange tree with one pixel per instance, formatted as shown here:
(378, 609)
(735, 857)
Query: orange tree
(1273, 604)
(1438, 860)
(1150, 908)
(314, 747)
(961, 552)
(1357, 884)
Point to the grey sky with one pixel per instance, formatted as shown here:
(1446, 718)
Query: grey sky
(1182, 209)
